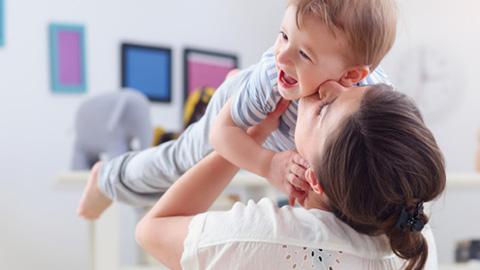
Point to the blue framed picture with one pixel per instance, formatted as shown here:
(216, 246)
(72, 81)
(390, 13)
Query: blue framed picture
(2, 23)
(148, 69)
(67, 58)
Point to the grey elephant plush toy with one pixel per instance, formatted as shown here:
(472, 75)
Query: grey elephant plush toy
(108, 124)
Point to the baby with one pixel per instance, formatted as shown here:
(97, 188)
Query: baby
(319, 40)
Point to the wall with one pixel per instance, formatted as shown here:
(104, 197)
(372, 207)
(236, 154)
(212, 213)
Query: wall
(435, 59)
(444, 38)
(39, 228)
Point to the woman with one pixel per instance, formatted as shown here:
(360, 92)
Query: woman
(372, 165)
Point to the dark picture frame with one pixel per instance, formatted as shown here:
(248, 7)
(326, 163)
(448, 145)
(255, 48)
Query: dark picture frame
(147, 69)
(205, 68)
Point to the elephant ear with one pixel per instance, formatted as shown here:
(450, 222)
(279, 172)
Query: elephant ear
(117, 112)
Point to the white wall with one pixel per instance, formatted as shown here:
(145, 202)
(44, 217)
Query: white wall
(38, 227)
(450, 33)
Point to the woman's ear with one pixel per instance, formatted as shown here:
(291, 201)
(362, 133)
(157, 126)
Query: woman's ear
(354, 75)
(312, 180)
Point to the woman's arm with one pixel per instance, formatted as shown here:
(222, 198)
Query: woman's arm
(164, 228)
(162, 231)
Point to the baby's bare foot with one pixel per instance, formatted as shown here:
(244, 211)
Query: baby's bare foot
(93, 201)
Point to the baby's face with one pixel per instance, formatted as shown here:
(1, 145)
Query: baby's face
(307, 57)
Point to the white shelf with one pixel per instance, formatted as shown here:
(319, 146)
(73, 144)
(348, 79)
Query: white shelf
(461, 266)
(247, 179)
(463, 180)
(242, 179)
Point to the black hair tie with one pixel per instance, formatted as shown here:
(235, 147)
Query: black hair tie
(409, 220)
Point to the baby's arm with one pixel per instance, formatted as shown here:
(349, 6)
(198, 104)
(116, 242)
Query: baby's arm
(285, 170)
(234, 144)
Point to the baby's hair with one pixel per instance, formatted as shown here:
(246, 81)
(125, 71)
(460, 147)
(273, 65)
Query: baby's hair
(380, 165)
(369, 25)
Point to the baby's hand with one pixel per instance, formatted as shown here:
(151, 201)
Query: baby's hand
(261, 131)
(287, 173)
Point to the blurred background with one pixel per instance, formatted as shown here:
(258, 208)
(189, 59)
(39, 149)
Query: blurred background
(435, 60)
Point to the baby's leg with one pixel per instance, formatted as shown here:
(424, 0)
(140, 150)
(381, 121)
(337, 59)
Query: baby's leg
(139, 179)
(93, 202)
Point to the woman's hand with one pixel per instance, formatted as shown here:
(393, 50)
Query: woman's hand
(287, 168)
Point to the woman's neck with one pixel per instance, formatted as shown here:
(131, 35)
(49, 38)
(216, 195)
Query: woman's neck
(317, 201)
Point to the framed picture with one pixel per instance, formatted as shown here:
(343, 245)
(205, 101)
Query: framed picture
(67, 58)
(206, 69)
(148, 69)
(2, 23)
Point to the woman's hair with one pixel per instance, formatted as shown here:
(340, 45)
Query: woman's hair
(369, 25)
(380, 161)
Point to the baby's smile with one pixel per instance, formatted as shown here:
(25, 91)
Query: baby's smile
(286, 80)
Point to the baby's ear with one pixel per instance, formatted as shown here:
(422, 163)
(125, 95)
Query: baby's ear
(354, 75)
(312, 180)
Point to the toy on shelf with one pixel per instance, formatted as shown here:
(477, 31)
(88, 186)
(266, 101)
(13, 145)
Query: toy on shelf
(467, 250)
(195, 107)
(160, 135)
(196, 104)
(109, 125)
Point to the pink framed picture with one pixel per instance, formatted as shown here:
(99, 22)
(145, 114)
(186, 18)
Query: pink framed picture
(203, 68)
(67, 58)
